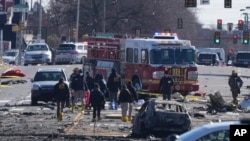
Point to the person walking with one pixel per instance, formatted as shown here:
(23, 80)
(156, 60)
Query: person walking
(96, 100)
(235, 83)
(114, 85)
(132, 90)
(61, 95)
(165, 86)
(72, 95)
(77, 86)
(125, 100)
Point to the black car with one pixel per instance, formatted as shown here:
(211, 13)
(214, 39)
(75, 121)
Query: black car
(44, 82)
(157, 117)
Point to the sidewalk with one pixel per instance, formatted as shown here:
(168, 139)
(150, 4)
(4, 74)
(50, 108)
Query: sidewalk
(110, 125)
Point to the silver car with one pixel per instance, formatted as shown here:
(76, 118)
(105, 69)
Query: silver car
(37, 53)
(71, 53)
(11, 56)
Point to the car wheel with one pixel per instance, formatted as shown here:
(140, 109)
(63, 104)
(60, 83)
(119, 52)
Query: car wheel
(25, 64)
(33, 102)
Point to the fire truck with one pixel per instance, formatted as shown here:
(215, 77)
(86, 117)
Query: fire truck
(144, 60)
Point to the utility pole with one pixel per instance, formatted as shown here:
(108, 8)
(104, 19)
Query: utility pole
(104, 17)
(77, 20)
(39, 35)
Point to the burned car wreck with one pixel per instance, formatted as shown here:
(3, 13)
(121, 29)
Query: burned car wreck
(158, 117)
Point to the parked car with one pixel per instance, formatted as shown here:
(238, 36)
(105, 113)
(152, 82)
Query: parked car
(37, 53)
(208, 58)
(71, 53)
(44, 82)
(242, 59)
(11, 56)
(219, 131)
(157, 116)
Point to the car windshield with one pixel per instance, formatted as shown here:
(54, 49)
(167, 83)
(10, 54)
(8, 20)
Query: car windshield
(48, 76)
(172, 56)
(37, 48)
(66, 47)
(12, 54)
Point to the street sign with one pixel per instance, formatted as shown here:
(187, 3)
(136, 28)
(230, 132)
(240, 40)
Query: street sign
(20, 8)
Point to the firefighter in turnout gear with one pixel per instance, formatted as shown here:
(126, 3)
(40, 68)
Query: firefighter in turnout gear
(61, 94)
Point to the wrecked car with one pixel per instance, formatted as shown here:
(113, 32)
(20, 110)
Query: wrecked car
(159, 117)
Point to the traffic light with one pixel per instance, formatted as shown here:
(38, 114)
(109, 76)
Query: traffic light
(74, 33)
(190, 3)
(240, 24)
(245, 37)
(179, 23)
(227, 3)
(217, 37)
(235, 38)
(219, 24)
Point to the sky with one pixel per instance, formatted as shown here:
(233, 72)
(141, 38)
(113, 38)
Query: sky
(208, 14)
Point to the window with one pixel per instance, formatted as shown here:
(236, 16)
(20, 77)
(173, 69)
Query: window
(135, 55)
(185, 56)
(222, 135)
(162, 56)
(129, 55)
(144, 56)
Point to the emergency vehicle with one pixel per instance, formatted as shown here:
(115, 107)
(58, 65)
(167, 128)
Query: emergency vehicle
(144, 60)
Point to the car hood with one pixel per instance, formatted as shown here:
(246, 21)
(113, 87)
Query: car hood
(9, 57)
(45, 83)
(36, 52)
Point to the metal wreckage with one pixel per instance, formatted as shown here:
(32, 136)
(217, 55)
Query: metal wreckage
(157, 117)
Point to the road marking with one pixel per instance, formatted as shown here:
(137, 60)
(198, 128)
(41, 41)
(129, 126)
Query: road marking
(23, 101)
(4, 101)
(16, 109)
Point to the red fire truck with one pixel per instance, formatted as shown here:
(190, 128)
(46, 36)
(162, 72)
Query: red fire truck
(144, 60)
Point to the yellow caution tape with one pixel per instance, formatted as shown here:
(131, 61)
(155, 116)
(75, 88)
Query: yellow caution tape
(10, 76)
(149, 93)
(5, 86)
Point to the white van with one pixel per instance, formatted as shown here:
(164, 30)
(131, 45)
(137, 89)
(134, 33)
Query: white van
(71, 53)
(220, 52)
(208, 58)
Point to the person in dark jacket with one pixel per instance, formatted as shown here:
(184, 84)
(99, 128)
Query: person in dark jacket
(126, 100)
(61, 94)
(72, 75)
(90, 81)
(132, 90)
(165, 86)
(96, 100)
(114, 85)
(99, 78)
(235, 83)
(77, 86)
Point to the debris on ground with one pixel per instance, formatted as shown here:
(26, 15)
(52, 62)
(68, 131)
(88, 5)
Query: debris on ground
(10, 82)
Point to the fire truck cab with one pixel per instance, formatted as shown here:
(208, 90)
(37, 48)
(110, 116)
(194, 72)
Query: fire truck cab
(144, 60)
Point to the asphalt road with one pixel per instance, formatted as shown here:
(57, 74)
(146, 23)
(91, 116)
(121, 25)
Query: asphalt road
(19, 120)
